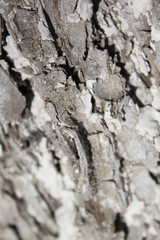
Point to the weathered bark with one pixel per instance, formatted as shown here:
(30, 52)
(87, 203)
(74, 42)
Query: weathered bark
(80, 119)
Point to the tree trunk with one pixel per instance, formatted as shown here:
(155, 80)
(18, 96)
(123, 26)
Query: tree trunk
(80, 120)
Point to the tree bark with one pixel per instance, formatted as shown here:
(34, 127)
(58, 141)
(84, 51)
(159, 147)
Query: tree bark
(79, 120)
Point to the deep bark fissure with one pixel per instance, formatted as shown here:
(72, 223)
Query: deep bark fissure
(53, 33)
(24, 86)
(120, 225)
(15, 229)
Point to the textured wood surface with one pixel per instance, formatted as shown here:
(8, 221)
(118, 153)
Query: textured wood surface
(79, 120)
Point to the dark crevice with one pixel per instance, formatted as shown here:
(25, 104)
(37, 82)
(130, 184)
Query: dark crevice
(29, 9)
(121, 168)
(155, 178)
(95, 5)
(56, 162)
(53, 33)
(4, 33)
(87, 48)
(76, 78)
(146, 30)
(95, 10)
(132, 94)
(111, 49)
(69, 70)
(120, 225)
(26, 90)
(122, 114)
(83, 137)
(1, 29)
(96, 28)
(75, 6)
(16, 231)
(3, 146)
(97, 41)
(93, 104)
(23, 86)
(1, 34)
(57, 165)
(113, 53)
(97, 38)
(123, 71)
(45, 72)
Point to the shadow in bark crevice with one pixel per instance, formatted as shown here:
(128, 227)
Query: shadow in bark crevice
(70, 70)
(120, 225)
(53, 32)
(56, 162)
(86, 46)
(23, 86)
(16, 231)
(155, 178)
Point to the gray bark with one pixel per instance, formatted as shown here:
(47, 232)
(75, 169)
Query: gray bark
(79, 120)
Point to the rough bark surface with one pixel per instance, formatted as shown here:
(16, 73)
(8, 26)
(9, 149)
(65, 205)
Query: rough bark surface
(80, 119)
